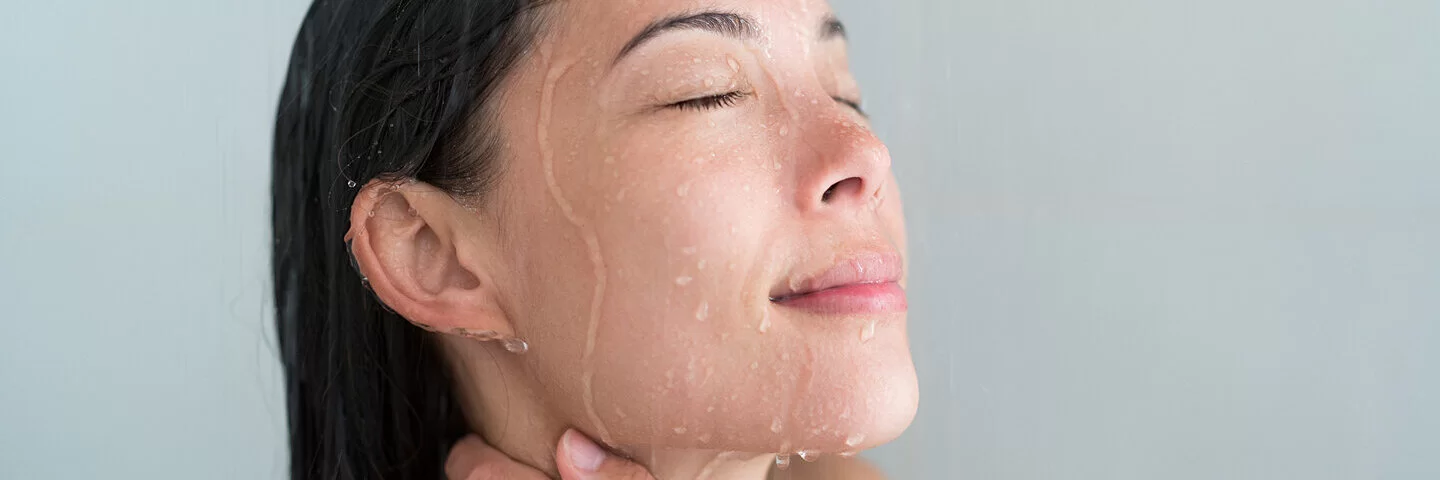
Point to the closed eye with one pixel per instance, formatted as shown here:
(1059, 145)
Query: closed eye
(852, 104)
(711, 102)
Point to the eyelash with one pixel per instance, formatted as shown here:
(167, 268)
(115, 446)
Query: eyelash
(729, 99)
(709, 103)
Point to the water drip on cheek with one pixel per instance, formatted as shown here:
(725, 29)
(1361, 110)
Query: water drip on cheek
(868, 331)
(547, 158)
(854, 440)
(782, 461)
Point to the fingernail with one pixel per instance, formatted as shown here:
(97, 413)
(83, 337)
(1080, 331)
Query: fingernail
(585, 454)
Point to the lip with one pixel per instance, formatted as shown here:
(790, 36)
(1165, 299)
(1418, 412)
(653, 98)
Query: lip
(863, 283)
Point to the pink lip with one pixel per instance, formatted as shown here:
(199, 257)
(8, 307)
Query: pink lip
(866, 283)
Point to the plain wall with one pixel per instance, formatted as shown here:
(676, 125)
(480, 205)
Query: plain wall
(1150, 239)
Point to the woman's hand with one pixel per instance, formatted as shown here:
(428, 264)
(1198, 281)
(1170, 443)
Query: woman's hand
(577, 458)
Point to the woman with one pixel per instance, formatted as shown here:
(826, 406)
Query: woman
(663, 224)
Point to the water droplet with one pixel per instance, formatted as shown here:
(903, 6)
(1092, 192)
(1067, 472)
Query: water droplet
(782, 461)
(703, 312)
(679, 429)
(765, 321)
(370, 213)
(775, 425)
(682, 190)
(351, 184)
(854, 440)
(682, 280)
(516, 346)
(809, 455)
(847, 454)
(867, 332)
(734, 65)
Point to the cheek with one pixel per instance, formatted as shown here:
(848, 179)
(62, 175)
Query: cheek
(650, 298)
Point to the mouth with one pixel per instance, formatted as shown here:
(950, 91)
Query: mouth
(864, 283)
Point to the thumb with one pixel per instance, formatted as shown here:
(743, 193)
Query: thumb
(579, 458)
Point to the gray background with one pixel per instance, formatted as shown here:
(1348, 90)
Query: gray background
(1153, 239)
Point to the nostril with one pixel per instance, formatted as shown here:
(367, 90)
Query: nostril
(846, 184)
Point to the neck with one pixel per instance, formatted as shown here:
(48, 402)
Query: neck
(504, 405)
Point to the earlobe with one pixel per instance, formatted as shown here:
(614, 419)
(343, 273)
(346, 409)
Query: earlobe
(403, 241)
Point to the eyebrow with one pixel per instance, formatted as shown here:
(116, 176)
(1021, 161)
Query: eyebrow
(723, 23)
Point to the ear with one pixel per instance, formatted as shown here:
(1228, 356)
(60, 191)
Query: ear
(425, 256)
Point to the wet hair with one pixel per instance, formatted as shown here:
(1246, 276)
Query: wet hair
(376, 89)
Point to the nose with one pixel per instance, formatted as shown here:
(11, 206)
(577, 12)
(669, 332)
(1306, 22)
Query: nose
(845, 164)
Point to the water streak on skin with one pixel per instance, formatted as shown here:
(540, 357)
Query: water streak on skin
(547, 157)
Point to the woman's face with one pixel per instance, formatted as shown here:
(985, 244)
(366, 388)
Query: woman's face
(676, 209)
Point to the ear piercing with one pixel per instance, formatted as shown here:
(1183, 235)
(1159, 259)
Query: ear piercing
(515, 345)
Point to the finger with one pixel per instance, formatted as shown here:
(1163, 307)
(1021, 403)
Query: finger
(472, 459)
(579, 458)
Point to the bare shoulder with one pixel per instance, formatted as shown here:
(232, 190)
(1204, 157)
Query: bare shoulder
(835, 468)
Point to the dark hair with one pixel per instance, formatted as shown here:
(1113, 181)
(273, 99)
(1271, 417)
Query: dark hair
(385, 89)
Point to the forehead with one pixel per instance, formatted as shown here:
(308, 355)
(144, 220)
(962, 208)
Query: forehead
(599, 27)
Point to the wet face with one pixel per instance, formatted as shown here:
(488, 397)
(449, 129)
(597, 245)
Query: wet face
(703, 238)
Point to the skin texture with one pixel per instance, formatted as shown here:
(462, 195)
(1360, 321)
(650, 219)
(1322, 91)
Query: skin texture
(635, 247)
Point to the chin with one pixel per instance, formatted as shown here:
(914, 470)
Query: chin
(850, 398)
(863, 409)
(813, 384)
